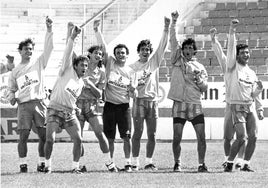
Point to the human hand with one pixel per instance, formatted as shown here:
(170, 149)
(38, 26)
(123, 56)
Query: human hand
(234, 23)
(167, 22)
(96, 25)
(49, 24)
(259, 84)
(213, 32)
(174, 16)
(13, 101)
(75, 32)
(260, 114)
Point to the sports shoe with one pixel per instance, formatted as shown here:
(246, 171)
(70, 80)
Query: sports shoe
(112, 168)
(135, 168)
(224, 164)
(41, 167)
(228, 167)
(23, 168)
(202, 168)
(150, 167)
(47, 170)
(246, 168)
(128, 168)
(83, 168)
(177, 167)
(238, 166)
(77, 171)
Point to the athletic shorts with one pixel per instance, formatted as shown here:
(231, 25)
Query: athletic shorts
(240, 112)
(186, 110)
(144, 108)
(89, 109)
(228, 126)
(31, 113)
(116, 114)
(62, 118)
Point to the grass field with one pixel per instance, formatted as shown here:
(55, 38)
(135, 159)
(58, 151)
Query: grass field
(98, 176)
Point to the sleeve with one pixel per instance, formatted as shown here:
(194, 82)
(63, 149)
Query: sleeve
(216, 47)
(203, 84)
(48, 47)
(174, 44)
(231, 49)
(258, 103)
(158, 55)
(67, 57)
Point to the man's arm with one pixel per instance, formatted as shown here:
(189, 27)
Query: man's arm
(231, 48)
(259, 107)
(158, 55)
(217, 48)
(67, 56)
(48, 45)
(100, 40)
(94, 89)
(174, 44)
(201, 79)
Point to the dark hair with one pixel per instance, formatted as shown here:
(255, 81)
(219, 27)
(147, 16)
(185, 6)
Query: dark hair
(25, 43)
(189, 41)
(121, 46)
(239, 47)
(92, 49)
(80, 58)
(145, 42)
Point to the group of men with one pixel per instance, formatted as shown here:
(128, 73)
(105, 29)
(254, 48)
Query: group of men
(81, 83)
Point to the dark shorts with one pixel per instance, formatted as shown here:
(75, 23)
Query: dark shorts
(31, 113)
(89, 109)
(144, 108)
(116, 114)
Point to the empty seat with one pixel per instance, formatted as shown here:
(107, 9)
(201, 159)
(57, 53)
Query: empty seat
(231, 6)
(198, 29)
(259, 61)
(262, 69)
(243, 36)
(264, 35)
(199, 45)
(246, 21)
(200, 54)
(262, 28)
(220, 6)
(244, 13)
(252, 5)
(251, 28)
(262, 4)
(207, 45)
(241, 5)
(206, 21)
(258, 20)
(254, 36)
(263, 44)
(233, 13)
(255, 53)
(252, 43)
(264, 12)
(255, 12)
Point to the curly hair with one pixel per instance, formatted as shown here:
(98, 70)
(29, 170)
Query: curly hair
(189, 41)
(25, 43)
(145, 42)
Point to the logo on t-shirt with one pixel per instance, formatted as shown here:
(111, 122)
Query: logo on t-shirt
(144, 77)
(28, 80)
(73, 88)
(118, 80)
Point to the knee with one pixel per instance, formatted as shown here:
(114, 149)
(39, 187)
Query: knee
(151, 136)
(50, 140)
(77, 140)
(24, 135)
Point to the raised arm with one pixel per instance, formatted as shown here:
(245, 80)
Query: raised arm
(67, 56)
(100, 40)
(217, 48)
(48, 45)
(174, 44)
(158, 55)
(231, 48)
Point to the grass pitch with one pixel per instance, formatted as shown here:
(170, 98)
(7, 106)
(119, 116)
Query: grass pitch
(98, 176)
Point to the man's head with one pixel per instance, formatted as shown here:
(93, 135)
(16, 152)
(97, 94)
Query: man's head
(189, 48)
(121, 52)
(80, 65)
(242, 54)
(26, 48)
(144, 50)
(95, 54)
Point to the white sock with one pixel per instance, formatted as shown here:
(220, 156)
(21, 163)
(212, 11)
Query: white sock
(48, 163)
(246, 162)
(135, 161)
(41, 160)
(23, 160)
(128, 161)
(149, 160)
(226, 158)
(107, 158)
(75, 165)
(239, 161)
(230, 161)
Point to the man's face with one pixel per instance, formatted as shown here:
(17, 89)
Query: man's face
(96, 56)
(243, 56)
(188, 51)
(26, 52)
(144, 53)
(81, 68)
(121, 55)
